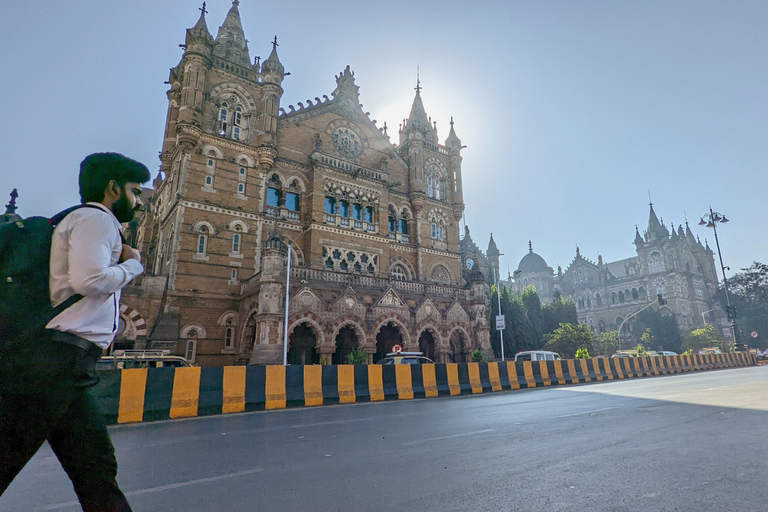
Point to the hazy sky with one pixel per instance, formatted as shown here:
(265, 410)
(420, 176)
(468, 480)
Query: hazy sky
(571, 111)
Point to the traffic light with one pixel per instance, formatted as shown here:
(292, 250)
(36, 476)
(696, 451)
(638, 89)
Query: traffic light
(730, 312)
(662, 301)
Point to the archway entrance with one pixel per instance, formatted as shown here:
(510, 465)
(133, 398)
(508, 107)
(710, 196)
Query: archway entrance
(346, 342)
(388, 337)
(458, 345)
(427, 344)
(302, 346)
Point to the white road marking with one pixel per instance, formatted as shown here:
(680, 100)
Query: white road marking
(411, 443)
(162, 488)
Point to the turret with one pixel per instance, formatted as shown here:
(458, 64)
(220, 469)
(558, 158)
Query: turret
(638, 239)
(655, 229)
(493, 256)
(230, 41)
(10, 210)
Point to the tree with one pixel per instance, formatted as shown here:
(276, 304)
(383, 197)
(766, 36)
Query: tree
(532, 305)
(582, 353)
(557, 312)
(749, 294)
(664, 333)
(567, 339)
(606, 343)
(703, 337)
(518, 333)
(641, 350)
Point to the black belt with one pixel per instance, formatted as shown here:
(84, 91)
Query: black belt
(70, 339)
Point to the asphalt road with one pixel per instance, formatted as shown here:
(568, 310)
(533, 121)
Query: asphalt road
(695, 442)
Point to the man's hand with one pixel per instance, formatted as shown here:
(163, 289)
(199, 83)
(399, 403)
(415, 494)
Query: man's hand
(129, 253)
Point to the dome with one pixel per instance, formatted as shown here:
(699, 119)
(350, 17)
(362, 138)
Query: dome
(532, 262)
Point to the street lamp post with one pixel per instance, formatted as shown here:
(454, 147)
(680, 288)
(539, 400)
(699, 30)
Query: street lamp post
(711, 220)
(498, 295)
(288, 294)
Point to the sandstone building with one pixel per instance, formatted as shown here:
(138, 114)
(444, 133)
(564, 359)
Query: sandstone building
(372, 227)
(672, 263)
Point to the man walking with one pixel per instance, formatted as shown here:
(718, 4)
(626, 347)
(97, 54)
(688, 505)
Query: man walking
(45, 381)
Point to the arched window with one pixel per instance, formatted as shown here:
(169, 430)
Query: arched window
(635, 295)
(621, 297)
(229, 334)
(398, 273)
(598, 299)
(437, 187)
(202, 240)
(230, 119)
(434, 230)
(430, 187)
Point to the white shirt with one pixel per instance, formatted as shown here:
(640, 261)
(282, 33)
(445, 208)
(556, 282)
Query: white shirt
(85, 250)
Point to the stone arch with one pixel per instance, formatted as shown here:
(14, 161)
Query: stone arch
(302, 187)
(208, 148)
(199, 224)
(313, 320)
(297, 258)
(134, 317)
(220, 91)
(227, 315)
(439, 272)
(280, 178)
(238, 222)
(399, 322)
(357, 325)
(405, 264)
(250, 321)
(194, 326)
(449, 351)
(405, 212)
(246, 160)
(430, 324)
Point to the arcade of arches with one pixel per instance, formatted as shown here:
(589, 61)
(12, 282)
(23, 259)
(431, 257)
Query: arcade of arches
(304, 347)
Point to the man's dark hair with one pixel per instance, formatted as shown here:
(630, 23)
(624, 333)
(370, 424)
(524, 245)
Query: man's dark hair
(98, 169)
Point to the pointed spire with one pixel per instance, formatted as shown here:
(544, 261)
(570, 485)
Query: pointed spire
(688, 232)
(638, 238)
(530, 246)
(231, 42)
(680, 231)
(417, 120)
(655, 230)
(273, 64)
(201, 25)
(492, 251)
(453, 141)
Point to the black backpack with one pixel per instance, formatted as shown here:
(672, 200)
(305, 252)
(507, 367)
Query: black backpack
(25, 297)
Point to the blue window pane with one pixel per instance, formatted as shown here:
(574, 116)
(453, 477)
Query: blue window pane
(330, 206)
(292, 201)
(404, 226)
(357, 212)
(273, 197)
(344, 208)
(392, 224)
(368, 214)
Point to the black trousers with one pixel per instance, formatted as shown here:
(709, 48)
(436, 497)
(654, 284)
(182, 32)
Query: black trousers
(45, 395)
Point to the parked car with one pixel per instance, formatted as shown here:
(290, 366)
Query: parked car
(405, 358)
(125, 359)
(666, 353)
(537, 355)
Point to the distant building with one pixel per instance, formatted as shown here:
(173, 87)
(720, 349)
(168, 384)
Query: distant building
(372, 226)
(672, 263)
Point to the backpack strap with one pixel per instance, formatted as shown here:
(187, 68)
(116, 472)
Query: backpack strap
(60, 216)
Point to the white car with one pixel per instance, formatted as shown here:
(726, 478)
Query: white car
(537, 355)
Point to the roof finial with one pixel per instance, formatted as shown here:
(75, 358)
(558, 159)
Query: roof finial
(10, 208)
(418, 82)
(451, 121)
(650, 203)
(235, 2)
(203, 12)
(530, 246)
(274, 43)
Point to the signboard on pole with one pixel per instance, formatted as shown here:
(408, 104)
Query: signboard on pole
(500, 325)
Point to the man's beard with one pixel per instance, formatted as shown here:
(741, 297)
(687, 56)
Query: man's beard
(123, 210)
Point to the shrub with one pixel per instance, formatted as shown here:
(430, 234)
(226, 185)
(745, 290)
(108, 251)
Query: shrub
(357, 356)
(582, 353)
(477, 356)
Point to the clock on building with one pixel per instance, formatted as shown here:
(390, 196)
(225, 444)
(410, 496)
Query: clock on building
(470, 263)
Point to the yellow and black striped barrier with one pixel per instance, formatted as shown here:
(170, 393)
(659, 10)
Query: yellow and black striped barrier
(150, 394)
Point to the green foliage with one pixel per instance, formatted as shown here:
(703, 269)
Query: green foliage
(606, 343)
(582, 353)
(641, 350)
(749, 294)
(477, 356)
(568, 338)
(357, 356)
(703, 337)
(662, 330)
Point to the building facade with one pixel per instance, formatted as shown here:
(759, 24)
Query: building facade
(371, 228)
(672, 263)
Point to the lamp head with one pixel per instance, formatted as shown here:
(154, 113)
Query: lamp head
(702, 222)
(723, 220)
